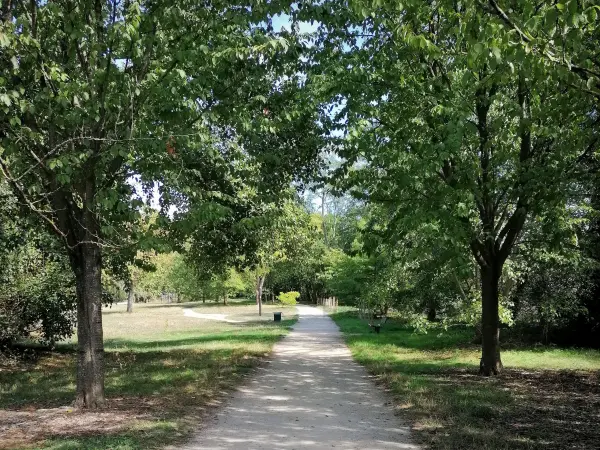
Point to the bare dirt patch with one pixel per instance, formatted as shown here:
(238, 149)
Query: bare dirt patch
(561, 409)
(19, 428)
(457, 408)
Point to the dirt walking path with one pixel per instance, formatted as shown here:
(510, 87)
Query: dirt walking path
(311, 395)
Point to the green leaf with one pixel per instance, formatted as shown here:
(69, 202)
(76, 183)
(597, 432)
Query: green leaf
(497, 54)
(591, 82)
(4, 98)
(592, 14)
(54, 164)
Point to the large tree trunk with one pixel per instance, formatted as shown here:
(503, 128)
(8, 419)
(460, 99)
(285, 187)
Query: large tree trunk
(90, 363)
(490, 323)
(225, 296)
(130, 299)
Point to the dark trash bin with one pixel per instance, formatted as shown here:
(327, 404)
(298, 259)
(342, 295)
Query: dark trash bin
(277, 317)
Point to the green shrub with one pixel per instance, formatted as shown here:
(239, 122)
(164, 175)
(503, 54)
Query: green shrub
(38, 306)
(288, 298)
(37, 287)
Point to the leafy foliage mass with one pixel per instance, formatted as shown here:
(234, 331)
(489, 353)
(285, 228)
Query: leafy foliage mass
(288, 298)
(37, 299)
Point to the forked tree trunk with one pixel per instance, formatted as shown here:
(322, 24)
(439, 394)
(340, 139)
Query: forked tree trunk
(90, 362)
(491, 363)
(225, 299)
(130, 299)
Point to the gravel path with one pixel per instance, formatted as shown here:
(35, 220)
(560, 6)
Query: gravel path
(311, 395)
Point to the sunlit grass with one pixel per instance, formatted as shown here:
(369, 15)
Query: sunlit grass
(553, 359)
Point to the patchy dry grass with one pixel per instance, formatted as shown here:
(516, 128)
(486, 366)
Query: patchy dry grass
(164, 372)
(545, 399)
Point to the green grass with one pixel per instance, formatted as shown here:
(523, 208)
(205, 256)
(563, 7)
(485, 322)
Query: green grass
(164, 372)
(545, 398)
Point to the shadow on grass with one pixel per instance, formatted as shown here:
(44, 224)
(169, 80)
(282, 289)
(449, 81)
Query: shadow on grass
(284, 323)
(395, 333)
(49, 383)
(452, 407)
(169, 372)
(156, 435)
(195, 304)
(232, 338)
(143, 369)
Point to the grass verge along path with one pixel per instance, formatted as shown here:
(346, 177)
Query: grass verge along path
(164, 371)
(546, 398)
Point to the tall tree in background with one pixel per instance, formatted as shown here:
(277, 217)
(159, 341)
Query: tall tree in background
(98, 92)
(450, 125)
(255, 240)
(285, 236)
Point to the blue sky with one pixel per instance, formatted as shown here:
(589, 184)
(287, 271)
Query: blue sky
(283, 21)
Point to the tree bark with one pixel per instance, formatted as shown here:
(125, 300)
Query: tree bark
(225, 299)
(490, 323)
(5, 10)
(90, 363)
(130, 299)
(323, 197)
(431, 313)
(260, 280)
